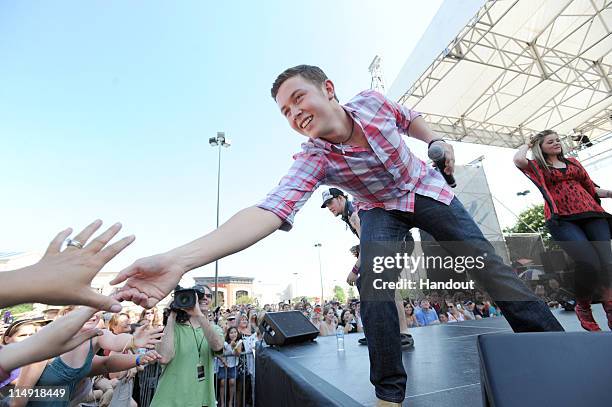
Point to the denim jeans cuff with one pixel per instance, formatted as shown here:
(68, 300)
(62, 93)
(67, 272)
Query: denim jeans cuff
(389, 397)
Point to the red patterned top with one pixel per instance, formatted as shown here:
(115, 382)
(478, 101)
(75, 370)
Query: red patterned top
(569, 193)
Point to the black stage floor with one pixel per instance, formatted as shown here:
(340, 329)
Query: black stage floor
(443, 368)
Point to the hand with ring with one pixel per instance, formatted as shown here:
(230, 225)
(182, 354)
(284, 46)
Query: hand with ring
(64, 277)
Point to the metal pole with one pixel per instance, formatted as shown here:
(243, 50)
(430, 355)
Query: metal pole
(218, 193)
(318, 246)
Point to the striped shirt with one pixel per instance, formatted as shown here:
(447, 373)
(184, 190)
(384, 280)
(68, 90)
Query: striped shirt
(387, 176)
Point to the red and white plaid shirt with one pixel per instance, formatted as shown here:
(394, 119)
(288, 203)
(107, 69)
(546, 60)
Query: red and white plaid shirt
(386, 177)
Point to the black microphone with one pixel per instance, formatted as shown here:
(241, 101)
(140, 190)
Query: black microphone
(436, 154)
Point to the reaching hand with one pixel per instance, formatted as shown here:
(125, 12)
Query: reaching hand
(148, 280)
(149, 357)
(145, 337)
(64, 277)
(195, 311)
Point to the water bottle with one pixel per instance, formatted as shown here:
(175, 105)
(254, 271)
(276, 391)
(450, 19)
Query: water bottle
(340, 338)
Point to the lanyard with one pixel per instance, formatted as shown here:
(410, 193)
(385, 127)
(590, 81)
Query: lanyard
(195, 338)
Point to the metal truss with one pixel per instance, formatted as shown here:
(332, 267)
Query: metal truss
(472, 131)
(521, 66)
(597, 125)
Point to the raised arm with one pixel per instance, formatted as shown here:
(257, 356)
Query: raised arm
(166, 347)
(58, 337)
(520, 157)
(119, 363)
(144, 337)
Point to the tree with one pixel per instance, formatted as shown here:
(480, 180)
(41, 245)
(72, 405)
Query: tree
(532, 220)
(17, 310)
(339, 294)
(310, 300)
(351, 292)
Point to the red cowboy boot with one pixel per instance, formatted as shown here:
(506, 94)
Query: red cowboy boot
(585, 316)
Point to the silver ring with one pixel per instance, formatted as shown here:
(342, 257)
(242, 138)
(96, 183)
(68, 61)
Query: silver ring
(74, 243)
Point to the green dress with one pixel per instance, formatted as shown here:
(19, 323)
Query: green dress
(178, 385)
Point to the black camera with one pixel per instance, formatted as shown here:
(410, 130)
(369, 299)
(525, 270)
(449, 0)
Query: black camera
(185, 298)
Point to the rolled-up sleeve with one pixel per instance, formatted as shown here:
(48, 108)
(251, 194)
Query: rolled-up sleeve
(403, 116)
(294, 189)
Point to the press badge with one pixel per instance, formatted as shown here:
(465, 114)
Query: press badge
(200, 371)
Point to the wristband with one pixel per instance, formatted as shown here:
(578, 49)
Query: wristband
(355, 270)
(433, 141)
(138, 360)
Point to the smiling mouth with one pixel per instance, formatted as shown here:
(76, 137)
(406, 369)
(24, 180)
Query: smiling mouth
(305, 122)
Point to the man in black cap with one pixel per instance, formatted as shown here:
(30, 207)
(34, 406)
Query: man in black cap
(338, 204)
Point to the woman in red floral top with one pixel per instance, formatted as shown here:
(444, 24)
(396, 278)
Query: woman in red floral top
(574, 218)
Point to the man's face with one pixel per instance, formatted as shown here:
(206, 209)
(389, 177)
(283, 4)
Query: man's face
(335, 205)
(204, 302)
(307, 107)
(425, 305)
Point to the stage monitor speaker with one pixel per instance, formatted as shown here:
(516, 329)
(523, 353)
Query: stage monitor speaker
(546, 369)
(284, 328)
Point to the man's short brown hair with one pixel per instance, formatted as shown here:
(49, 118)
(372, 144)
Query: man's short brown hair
(311, 73)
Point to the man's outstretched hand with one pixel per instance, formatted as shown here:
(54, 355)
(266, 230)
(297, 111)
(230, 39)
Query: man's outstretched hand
(148, 280)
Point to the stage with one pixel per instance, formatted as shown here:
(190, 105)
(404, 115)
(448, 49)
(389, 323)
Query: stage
(443, 368)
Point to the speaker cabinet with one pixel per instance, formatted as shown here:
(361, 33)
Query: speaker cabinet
(284, 328)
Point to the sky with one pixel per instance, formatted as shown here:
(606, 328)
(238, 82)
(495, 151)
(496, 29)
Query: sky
(106, 108)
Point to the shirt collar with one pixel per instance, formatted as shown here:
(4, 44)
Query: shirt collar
(326, 145)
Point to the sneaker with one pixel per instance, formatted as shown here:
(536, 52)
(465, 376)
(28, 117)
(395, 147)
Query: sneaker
(407, 341)
(585, 316)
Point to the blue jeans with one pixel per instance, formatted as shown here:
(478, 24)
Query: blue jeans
(587, 242)
(456, 231)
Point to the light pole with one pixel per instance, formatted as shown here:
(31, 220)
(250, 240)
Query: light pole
(318, 246)
(219, 141)
(295, 274)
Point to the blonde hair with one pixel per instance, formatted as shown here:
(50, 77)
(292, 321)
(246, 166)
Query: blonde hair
(156, 318)
(114, 321)
(66, 310)
(536, 149)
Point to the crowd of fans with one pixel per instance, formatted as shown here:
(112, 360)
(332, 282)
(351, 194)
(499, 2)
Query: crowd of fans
(102, 354)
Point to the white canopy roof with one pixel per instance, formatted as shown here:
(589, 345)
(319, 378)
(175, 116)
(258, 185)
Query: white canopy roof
(521, 66)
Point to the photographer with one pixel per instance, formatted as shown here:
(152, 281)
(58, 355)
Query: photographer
(187, 352)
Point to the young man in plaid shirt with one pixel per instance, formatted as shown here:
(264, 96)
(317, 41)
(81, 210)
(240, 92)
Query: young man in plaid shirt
(357, 147)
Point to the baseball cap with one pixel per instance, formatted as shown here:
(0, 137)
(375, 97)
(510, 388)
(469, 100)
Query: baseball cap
(330, 194)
